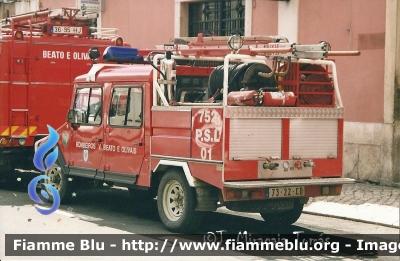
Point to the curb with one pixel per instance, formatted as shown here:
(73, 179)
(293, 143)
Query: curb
(350, 219)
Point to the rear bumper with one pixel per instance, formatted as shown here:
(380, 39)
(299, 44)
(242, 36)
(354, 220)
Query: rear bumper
(287, 182)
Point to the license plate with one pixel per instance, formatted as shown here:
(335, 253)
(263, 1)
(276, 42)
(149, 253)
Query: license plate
(284, 192)
(66, 30)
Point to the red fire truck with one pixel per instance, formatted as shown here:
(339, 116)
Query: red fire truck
(40, 54)
(255, 126)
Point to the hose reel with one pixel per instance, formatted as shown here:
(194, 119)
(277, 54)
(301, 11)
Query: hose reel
(315, 80)
(241, 76)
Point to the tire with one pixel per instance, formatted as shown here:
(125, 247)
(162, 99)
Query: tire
(176, 203)
(59, 180)
(284, 218)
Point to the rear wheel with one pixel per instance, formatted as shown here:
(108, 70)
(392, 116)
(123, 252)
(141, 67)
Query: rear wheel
(176, 203)
(58, 179)
(284, 218)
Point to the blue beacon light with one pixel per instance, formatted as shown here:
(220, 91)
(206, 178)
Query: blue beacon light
(121, 54)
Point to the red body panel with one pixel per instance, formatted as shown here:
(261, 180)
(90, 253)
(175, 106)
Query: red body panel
(171, 133)
(285, 138)
(207, 134)
(210, 172)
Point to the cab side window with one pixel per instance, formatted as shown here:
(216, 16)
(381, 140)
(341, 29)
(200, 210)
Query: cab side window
(126, 106)
(88, 105)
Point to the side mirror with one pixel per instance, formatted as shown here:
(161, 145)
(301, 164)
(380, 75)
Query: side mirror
(72, 116)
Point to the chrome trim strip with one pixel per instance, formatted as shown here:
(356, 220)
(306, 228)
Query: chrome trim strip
(37, 83)
(185, 159)
(287, 183)
(171, 108)
(52, 83)
(20, 83)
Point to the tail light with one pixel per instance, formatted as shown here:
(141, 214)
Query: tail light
(3, 142)
(12, 142)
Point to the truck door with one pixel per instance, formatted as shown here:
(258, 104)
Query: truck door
(87, 138)
(124, 137)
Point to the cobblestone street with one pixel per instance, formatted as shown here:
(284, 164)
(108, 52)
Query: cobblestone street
(360, 193)
(360, 202)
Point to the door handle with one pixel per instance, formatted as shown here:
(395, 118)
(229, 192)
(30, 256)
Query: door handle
(138, 143)
(97, 140)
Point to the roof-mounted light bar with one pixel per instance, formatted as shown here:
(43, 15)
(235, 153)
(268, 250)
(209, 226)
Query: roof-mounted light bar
(121, 54)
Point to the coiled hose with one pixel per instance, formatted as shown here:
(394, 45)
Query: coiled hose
(240, 76)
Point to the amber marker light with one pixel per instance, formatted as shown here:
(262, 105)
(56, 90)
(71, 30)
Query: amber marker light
(3, 141)
(119, 41)
(19, 35)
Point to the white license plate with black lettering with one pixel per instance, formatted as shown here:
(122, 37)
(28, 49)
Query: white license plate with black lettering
(285, 192)
(66, 30)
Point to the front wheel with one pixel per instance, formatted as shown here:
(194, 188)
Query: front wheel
(284, 218)
(58, 179)
(176, 203)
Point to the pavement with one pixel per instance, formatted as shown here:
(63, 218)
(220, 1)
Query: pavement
(363, 202)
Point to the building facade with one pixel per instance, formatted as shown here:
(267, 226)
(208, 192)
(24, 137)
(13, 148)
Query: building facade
(370, 83)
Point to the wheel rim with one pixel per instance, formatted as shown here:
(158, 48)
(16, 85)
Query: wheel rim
(173, 200)
(55, 175)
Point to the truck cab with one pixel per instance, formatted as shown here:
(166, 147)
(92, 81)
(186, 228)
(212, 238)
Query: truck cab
(203, 129)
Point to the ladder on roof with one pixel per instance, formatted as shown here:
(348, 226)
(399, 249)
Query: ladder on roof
(46, 21)
(273, 47)
(25, 21)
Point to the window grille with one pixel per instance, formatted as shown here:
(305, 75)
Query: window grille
(216, 18)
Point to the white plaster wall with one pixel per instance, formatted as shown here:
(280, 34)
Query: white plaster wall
(22, 7)
(366, 150)
(369, 147)
(288, 19)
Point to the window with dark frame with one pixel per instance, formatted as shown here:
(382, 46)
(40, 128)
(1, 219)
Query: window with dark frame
(88, 105)
(126, 106)
(216, 18)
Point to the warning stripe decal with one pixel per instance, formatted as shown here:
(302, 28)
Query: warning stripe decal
(32, 130)
(4, 130)
(20, 131)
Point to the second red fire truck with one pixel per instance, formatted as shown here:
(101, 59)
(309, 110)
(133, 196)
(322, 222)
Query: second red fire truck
(255, 127)
(41, 53)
